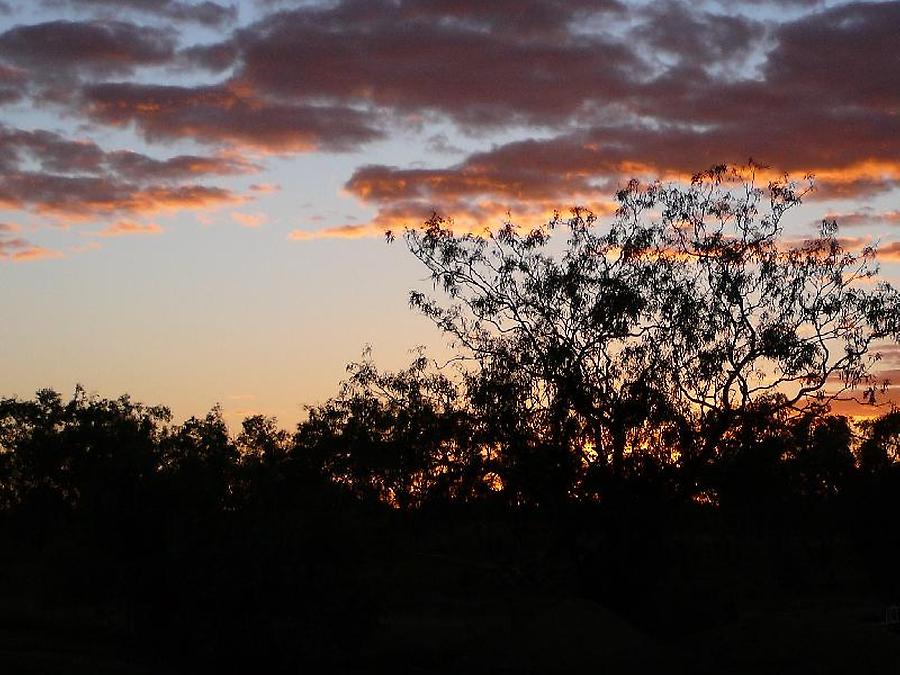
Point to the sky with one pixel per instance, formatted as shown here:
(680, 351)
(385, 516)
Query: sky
(194, 194)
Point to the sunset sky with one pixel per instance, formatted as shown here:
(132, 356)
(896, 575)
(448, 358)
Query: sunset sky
(193, 195)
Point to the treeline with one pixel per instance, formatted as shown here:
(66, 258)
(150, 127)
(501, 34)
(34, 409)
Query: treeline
(400, 441)
(276, 550)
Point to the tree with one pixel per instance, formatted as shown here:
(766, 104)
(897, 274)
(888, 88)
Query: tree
(658, 337)
(755, 324)
(89, 453)
(880, 448)
(395, 437)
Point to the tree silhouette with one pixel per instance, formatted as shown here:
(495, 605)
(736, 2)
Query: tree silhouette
(391, 436)
(659, 336)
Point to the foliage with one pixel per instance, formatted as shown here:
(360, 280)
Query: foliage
(661, 334)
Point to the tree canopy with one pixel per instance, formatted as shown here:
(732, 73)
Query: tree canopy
(662, 332)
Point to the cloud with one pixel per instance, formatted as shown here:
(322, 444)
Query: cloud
(215, 57)
(250, 220)
(12, 84)
(647, 84)
(441, 145)
(219, 115)
(77, 178)
(588, 165)
(56, 153)
(16, 249)
(805, 111)
(462, 217)
(865, 216)
(889, 352)
(265, 188)
(338, 232)
(52, 151)
(208, 13)
(858, 67)
(137, 166)
(618, 90)
(477, 63)
(91, 196)
(125, 227)
(700, 38)
(97, 47)
(889, 252)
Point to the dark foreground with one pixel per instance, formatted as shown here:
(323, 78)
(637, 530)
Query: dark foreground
(535, 635)
(132, 545)
(360, 591)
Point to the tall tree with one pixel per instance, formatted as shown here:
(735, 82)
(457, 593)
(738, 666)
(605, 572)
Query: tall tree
(659, 334)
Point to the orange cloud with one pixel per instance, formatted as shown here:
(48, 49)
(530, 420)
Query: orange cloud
(462, 217)
(36, 253)
(225, 115)
(250, 220)
(890, 252)
(865, 216)
(123, 228)
(19, 250)
(339, 232)
(265, 188)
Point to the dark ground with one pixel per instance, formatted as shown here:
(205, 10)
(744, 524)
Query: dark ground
(471, 597)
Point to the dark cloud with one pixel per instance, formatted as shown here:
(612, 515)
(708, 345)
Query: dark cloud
(834, 69)
(519, 17)
(816, 108)
(48, 173)
(732, 5)
(478, 63)
(136, 166)
(845, 56)
(587, 165)
(440, 144)
(57, 154)
(661, 89)
(485, 64)
(219, 115)
(698, 37)
(865, 217)
(50, 150)
(208, 13)
(12, 85)
(585, 160)
(100, 196)
(98, 47)
(215, 57)
(525, 170)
